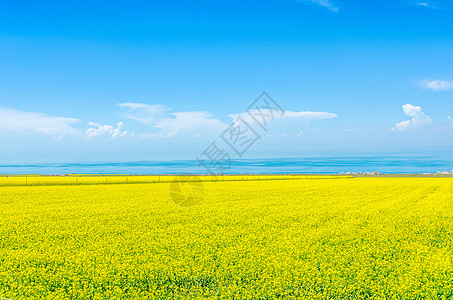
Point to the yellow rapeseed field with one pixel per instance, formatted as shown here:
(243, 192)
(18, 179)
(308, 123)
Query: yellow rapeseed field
(244, 238)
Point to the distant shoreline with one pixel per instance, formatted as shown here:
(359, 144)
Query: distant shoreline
(235, 175)
(109, 179)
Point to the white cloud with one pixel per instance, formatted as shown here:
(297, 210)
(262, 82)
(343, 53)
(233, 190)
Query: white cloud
(106, 130)
(419, 119)
(33, 122)
(171, 124)
(309, 115)
(193, 122)
(451, 120)
(144, 113)
(306, 116)
(326, 3)
(196, 123)
(425, 4)
(294, 123)
(437, 85)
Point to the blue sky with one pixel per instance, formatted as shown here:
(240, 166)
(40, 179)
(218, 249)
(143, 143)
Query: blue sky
(161, 80)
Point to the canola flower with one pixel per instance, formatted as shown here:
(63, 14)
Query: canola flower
(265, 237)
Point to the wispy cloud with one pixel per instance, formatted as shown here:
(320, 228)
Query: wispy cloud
(309, 115)
(144, 113)
(419, 119)
(106, 130)
(196, 123)
(171, 124)
(326, 3)
(292, 123)
(193, 122)
(32, 122)
(306, 116)
(437, 85)
(427, 5)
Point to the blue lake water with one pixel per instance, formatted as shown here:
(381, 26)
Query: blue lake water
(323, 165)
